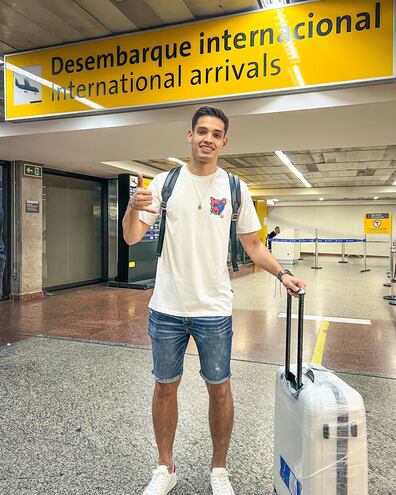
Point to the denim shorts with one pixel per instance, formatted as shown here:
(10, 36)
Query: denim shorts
(170, 335)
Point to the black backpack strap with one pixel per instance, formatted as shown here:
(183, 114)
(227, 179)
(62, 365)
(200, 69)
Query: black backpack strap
(167, 190)
(235, 186)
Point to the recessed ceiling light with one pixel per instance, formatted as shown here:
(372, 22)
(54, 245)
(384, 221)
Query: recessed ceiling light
(176, 160)
(286, 161)
(394, 184)
(376, 197)
(271, 3)
(321, 199)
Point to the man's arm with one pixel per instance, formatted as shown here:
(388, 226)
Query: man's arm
(264, 259)
(133, 228)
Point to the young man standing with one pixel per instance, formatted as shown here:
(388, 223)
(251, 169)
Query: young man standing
(192, 294)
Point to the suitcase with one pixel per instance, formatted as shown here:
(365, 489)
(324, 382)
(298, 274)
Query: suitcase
(320, 428)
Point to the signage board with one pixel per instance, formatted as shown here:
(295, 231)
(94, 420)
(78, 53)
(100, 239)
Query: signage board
(378, 223)
(32, 170)
(301, 46)
(32, 206)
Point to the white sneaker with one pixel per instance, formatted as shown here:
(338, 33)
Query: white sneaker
(162, 482)
(220, 483)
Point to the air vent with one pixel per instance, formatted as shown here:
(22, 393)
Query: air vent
(365, 172)
(312, 168)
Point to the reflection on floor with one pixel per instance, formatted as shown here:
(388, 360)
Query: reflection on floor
(120, 316)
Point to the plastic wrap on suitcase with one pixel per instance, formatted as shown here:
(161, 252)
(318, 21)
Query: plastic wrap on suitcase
(320, 432)
(323, 430)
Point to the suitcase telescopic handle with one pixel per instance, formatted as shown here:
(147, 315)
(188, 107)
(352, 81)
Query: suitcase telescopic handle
(296, 381)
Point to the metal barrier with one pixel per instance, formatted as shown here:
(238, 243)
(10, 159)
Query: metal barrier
(316, 240)
(389, 273)
(343, 260)
(365, 269)
(316, 266)
(392, 297)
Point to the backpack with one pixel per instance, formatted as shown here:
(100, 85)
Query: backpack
(235, 187)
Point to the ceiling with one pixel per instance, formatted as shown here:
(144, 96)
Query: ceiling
(337, 167)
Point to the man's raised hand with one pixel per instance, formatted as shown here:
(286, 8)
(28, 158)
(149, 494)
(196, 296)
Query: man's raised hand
(142, 198)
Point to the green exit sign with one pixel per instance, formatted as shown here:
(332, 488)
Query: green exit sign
(32, 170)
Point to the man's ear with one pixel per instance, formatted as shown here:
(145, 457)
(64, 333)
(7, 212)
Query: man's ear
(225, 141)
(189, 136)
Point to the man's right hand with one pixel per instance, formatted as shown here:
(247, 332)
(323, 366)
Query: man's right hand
(142, 198)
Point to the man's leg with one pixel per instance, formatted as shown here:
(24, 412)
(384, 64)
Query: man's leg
(169, 340)
(221, 420)
(213, 336)
(165, 417)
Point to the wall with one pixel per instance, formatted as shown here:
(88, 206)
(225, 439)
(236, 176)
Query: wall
(27, 258)
(332, 222)
(262, 213)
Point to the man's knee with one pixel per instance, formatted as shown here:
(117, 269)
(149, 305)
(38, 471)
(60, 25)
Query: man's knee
(220, 391)
(166, 390)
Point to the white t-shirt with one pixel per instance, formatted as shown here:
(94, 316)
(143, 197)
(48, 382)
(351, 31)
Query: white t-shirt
(192, 275)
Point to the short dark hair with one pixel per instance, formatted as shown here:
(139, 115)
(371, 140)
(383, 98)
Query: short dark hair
(213, 112)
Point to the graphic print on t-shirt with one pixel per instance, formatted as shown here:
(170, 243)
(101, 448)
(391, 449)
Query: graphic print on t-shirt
(217, 206)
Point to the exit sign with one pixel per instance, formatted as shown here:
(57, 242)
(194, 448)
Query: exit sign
(32, 170)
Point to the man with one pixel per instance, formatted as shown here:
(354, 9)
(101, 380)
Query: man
(271, 235)
(192, 294)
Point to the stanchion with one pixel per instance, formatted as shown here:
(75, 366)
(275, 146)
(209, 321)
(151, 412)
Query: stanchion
(388, 273)
(343, 260)
(365, 269)
(392, 297)
(316, 267)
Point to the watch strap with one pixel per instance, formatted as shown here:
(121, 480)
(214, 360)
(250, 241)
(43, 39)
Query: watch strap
(282, 272)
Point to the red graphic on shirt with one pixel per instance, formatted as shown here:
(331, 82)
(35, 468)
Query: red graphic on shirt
(217, 206)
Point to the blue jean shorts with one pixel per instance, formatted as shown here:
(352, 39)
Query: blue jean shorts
(170, 335)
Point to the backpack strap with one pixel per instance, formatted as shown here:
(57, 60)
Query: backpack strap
(235, 187)
(167, 190)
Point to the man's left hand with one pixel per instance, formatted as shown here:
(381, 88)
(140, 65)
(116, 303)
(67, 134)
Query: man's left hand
(293, 284)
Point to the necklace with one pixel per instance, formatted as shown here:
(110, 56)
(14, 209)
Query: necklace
(206, 190)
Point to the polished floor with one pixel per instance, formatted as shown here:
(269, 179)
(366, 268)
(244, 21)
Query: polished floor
(75, 383)
(336, 291)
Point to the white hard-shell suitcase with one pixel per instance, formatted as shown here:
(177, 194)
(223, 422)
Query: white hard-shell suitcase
(320, 428)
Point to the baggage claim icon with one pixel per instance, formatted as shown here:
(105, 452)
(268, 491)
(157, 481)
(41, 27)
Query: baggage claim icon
(377, 223)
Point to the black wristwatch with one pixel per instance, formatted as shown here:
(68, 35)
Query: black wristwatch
(282, 272)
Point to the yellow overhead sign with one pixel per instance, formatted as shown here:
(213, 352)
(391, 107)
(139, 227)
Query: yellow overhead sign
(300, 46)
(378, 223)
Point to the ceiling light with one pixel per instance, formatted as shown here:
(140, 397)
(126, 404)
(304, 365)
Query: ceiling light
(394, 184)
(270, 202)
(271, 3)
(376, 197)
(274, 200)
(176, 160)
(285, 160)
(321, 199)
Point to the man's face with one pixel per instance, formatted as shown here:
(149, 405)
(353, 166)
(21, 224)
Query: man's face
(207, 139)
